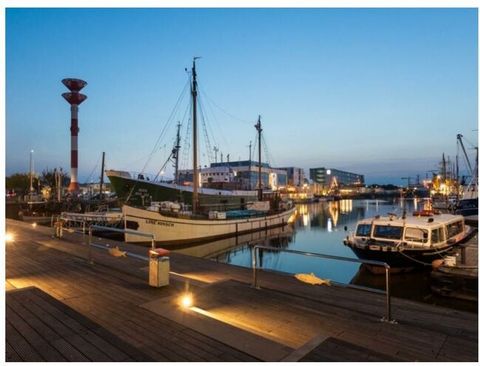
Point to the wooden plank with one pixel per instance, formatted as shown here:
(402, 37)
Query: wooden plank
(111, 345)
(21, 346)
(333, 349)
(69, 351)
(35, 339)
(10, 354)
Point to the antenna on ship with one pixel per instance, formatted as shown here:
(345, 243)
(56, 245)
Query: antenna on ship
(194, 133)
(258, 126)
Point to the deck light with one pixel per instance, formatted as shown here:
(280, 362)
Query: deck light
(34, 225)
(186, 301)
(9, 237)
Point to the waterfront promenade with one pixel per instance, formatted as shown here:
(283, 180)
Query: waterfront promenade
(62, 308)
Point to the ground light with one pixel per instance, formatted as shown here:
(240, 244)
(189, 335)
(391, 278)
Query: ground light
(186, 300)
(34, 225)
(9, 237)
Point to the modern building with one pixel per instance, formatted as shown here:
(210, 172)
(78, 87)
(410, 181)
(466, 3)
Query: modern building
(328, 177)
(295, 176)
(241, 175)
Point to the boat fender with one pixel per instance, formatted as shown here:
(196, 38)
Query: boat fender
(158, 252)
(437, 263)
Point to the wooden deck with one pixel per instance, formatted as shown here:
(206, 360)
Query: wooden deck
(41, 328)
(285, 320)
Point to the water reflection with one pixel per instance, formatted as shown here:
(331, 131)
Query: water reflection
(224, 249)
(320, 228)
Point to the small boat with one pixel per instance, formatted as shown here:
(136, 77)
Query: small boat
(409, 241)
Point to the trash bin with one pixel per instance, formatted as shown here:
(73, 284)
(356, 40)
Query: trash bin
(159, 267)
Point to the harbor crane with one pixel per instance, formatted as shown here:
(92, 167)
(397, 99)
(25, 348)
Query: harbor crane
(408, 181)
(459, 139)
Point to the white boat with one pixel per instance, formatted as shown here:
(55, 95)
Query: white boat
(171, 223)
(177, 227)
(408, 241)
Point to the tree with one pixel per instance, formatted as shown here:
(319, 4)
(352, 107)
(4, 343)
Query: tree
(48, 177)
(20, 182)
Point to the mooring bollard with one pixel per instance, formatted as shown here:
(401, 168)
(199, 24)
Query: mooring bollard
(159, 268)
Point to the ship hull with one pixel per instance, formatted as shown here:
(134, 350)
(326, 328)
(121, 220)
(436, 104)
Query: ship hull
(404, 258)
(175, 230)
(139, 192)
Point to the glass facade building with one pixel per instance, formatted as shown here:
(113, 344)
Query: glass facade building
(326, 176)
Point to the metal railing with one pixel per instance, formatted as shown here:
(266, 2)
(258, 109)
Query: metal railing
(107, 228)
(387, 318)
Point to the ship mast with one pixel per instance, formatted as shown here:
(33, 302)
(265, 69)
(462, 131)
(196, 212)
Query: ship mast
(194, 133)
(258, 126)
(175, 152)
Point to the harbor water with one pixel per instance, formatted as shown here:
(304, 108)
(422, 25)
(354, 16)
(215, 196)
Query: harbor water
(320, 228)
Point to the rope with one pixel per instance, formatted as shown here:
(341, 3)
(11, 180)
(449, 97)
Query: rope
(167, 124)
(400, 250)
(93, 170)
(205, 132)
(169, 120)
(224, 111)
(215, 120)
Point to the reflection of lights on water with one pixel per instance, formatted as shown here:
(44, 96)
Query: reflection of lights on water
(329, 225)
(306, 219)
(302, 209)
(415, 204)
(333, 210)
(346, 205)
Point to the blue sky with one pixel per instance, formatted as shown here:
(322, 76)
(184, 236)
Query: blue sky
(381, 92)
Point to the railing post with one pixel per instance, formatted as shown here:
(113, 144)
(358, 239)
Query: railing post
(90, 245)
(386, 318)
(387, 290)
(153, 242)
(254, 266)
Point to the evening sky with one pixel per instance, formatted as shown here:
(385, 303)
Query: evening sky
(380, 92)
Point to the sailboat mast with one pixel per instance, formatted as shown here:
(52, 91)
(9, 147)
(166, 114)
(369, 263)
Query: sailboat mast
(194, 133)
(177, 150)
(31, 173)
(101, 175)
(258, 126)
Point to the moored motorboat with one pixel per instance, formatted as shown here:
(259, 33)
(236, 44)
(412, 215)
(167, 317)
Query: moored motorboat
(407, 242)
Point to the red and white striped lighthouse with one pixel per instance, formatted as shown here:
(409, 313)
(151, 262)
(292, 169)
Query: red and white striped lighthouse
(75, 99)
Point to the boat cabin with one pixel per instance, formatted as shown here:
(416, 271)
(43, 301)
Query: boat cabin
(413, 231)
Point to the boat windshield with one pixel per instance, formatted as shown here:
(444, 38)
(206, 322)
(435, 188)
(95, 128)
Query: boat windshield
(416, 234)
(388, 232)
(454, 228)
(364, 230)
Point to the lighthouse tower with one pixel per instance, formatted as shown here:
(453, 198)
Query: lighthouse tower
(74, 98)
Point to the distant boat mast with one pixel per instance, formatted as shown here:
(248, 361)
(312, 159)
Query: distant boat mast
(194, 133)
(258, 126)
